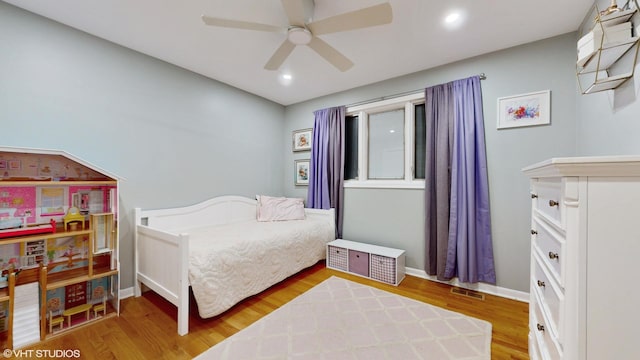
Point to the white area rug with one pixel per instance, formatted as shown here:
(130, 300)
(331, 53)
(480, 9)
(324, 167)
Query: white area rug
(341, 319)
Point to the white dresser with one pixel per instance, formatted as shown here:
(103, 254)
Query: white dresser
(585, 257)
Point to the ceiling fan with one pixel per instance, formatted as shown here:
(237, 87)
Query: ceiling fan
(300, 32)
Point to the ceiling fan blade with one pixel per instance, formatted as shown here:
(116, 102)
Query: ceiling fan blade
(280, 56)
(371, 16)
(298, 10)
(330, 54)
(237, 24)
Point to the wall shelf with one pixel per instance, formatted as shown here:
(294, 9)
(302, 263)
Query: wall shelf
(608, 55)
(594, 69)
(608, 83)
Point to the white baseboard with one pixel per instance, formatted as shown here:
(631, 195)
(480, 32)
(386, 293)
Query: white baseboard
(482, 287)
(125, 293)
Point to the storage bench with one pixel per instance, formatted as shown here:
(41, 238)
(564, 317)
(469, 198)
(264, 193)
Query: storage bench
(371, 261)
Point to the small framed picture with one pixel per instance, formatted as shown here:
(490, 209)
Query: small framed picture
(301, 175)
(15, 165)
(302, 139)
(524, 110)
(3, 164)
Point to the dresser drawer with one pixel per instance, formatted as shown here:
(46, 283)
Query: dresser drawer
(359, 262)
(547, 345)
(550, 246)
(534, 350)
(550, 294)
(337, 257)
(547, 200)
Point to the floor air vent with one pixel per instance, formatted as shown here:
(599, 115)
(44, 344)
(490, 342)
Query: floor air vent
(467, 293)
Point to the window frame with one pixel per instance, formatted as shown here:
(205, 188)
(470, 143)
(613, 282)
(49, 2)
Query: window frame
(61, 201)
(408, 102)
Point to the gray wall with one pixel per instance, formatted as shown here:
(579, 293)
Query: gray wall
(609, 122)
(176, 137)
(179, 138)
(395, 217)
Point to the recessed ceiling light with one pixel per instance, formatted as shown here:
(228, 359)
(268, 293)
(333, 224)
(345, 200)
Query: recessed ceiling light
(285, 78)
(452, 17)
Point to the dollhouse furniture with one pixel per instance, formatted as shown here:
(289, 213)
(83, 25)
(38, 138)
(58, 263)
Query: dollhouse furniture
(84, 308)
(221, 250)
(100, 307)
(73, 216)
(28, 230)
(9, 220)
(55, 321)
(584, 236)
(69, 255)
(37, 254)
(25, 307)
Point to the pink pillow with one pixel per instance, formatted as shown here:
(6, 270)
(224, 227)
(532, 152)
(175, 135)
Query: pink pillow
(279, 208)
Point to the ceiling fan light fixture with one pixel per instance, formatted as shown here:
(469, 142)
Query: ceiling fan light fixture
(299, 35)
(300, 32)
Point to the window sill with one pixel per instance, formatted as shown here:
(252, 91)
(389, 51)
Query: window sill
(384, 184)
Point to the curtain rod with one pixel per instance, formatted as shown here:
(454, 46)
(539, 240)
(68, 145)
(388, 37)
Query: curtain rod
(481, 75)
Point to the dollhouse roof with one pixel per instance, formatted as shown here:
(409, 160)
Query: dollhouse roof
(44, 164)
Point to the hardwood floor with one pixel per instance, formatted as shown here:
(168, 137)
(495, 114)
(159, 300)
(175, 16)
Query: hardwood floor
(146, 327)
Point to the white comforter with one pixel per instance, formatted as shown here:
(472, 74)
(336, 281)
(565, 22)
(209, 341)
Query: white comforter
(231, 262)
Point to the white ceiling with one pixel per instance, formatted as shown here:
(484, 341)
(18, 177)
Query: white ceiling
(416, 39)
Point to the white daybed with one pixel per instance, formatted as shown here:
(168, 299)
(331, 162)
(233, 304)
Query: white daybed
(221, 250)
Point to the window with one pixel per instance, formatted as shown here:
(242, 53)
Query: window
(385, 143)
(51, 203)
(351, 147)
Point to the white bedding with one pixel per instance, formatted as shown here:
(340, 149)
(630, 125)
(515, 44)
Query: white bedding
(231, 262)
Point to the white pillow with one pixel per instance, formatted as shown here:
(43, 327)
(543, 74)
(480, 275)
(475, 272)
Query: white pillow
(279, 208)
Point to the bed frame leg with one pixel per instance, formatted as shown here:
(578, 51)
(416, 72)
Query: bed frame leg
(183, 283)
(183, 321)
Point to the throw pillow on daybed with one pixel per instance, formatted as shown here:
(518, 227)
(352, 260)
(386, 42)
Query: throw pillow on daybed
(279, 208)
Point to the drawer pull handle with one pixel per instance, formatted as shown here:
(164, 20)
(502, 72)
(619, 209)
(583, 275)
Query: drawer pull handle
(534, 196)
(541, 283)
(358, 256)
(553, 255)
(533, 232)
(553, 203)
(540, 327)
